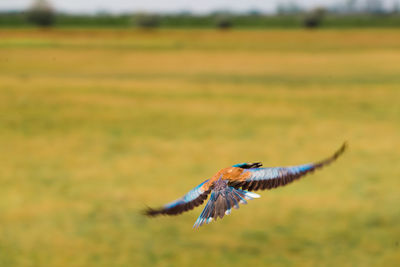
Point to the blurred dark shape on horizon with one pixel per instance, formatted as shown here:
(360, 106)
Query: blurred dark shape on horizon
(346, 14)
(223, 21)
(146, 20)
(41, 13)
(314, 18)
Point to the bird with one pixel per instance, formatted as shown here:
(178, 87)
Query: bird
(232, 186)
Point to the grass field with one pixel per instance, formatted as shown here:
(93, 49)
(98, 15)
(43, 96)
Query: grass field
(97, 124)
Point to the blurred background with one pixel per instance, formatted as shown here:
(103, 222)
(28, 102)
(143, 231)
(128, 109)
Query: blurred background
(109, 106)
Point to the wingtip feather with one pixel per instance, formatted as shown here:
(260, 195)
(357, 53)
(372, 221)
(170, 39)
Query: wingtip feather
(150, 212)
(341, 150)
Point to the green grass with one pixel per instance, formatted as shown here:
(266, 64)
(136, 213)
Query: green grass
(103, 123)
(188, 21)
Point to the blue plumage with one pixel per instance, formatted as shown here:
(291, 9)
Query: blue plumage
(223, 198)
(230, 187)
(258, 174)
(190, 196)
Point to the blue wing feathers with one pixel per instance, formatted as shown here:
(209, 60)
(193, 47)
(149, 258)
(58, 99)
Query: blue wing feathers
(267, 178)
(258, 174)
(190, 196)
(193, 198)
(221, 202)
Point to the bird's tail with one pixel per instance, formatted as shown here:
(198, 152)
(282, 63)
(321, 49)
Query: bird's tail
(221, 202)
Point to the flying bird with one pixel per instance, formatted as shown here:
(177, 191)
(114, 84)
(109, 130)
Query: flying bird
(231, 186)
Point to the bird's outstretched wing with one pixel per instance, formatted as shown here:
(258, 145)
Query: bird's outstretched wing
(192, 199)
(266, 178)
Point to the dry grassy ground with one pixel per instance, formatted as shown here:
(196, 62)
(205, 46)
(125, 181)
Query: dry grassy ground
(96, 124)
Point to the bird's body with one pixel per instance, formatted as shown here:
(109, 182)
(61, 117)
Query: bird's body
(228, 188)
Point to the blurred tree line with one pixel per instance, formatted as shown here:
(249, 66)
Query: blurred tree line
(350, 13)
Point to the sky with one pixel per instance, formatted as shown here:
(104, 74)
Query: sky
(171, 6)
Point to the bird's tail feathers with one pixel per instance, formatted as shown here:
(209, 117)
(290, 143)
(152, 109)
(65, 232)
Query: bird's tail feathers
(221, 203)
